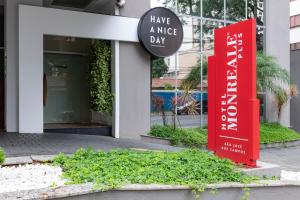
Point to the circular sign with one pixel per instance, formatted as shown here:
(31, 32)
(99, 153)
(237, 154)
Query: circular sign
(160, 32)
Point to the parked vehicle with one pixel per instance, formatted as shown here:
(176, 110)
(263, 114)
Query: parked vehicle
(184, 109)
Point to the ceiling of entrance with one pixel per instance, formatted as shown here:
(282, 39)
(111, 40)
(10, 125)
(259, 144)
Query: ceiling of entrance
(78, 4)
(72, 3)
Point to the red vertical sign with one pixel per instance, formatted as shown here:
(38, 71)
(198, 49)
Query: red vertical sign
(233, 110)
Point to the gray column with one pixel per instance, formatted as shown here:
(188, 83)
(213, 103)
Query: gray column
(135, 80)
(135, 90)
(277, 39)
(11, 97)
(295, 103)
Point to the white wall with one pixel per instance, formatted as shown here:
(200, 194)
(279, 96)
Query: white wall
(295, 32)
(294, 7)
(34, 22)
(295, 35)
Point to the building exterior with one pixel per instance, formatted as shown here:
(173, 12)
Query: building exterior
(295, 52)
(49, 38)
(202, 17)
(26, 24)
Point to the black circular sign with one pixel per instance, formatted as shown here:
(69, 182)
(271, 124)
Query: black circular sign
(160, 32)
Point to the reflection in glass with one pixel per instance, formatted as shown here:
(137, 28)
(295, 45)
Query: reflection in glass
(163, 95)
(184, 80)
(260, 38)
(185, 7)
(235, 10)
(256, 10)
(192, 36)
(67, 89)
(213, 9)
(208, 34)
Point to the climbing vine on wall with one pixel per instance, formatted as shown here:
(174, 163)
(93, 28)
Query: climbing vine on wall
(101, 97)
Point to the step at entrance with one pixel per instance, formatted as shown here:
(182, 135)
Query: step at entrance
(82, 129)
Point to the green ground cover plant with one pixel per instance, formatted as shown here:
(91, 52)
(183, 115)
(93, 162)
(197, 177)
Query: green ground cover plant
(113, 169)
(275, 133)
(192, 137)
(196, 137)
(2, 156)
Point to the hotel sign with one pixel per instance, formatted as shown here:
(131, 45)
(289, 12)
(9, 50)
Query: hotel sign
(160, 32)
(233, 110)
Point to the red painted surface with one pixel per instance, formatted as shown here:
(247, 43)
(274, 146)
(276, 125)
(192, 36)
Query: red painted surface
(233, 110)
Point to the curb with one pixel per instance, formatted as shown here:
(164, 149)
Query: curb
(28, 159)
(87, 191)
(281, 145)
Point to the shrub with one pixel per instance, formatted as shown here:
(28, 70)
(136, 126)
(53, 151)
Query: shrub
(2, 156)
(197, 137)
(276, 133)
(168, 86)
(194, 137)
(108, 170)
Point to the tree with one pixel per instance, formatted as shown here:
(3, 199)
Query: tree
(236, 11)
(215, 8)
(159, 67)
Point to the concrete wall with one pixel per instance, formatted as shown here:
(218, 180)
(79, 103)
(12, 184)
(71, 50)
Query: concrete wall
(295, 102)
(135, 90)
(135, 80)
(270, 190)
(277, 18)
(266, 193)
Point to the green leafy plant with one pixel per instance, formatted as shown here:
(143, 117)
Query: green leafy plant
(168, 86)
(270, 76)
(159, 67)
(2, 156)
(193, 137)
(270, 133)
(274, 79)
(113, 169)
(101, 97)
(275, 133)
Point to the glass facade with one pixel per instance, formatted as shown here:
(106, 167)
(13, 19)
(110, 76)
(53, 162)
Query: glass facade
(66, 93)
(179, 83)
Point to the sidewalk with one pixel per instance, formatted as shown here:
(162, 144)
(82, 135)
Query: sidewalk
(287, 158)
(16, 145)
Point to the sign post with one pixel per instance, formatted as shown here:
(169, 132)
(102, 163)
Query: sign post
(233, 109)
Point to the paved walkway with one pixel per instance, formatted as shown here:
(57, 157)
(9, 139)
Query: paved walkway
(52, 143)
(287, 158)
